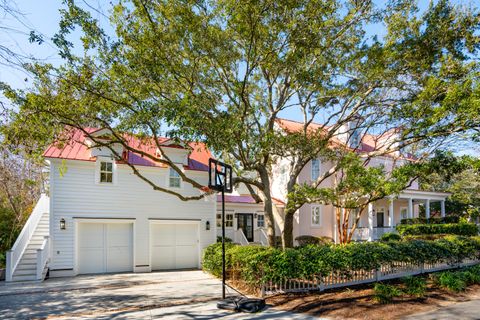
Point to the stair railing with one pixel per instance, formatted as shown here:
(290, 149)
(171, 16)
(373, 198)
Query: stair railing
(240, 237)
(15, 254)
(43, 256)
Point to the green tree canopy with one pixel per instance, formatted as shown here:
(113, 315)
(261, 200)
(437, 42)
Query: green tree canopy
(223, 71)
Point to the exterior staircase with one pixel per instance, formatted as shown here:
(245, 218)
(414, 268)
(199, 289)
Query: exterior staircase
(28, 259)
(27, 266)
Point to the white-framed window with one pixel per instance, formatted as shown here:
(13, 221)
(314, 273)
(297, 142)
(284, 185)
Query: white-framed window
(174, 180)
(228, 220)
(106, 172)
(316, 216)
(260, 221)
(403, 213)
(315, 169)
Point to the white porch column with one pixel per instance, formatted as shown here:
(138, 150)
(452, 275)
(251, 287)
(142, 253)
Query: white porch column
(427, 209)
(370, 222)
(410, 208)
(442, 208)
(390, 214)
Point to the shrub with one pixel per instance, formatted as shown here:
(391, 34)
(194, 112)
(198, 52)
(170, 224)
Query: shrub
(452, 281)
(415, 286)
(425, 236)
(435, 220)
(384, 293)
(471, 276)
(461, 229)
(307, 240)
(256, 264)
(219, 239)
(212, 258)
(390, 236)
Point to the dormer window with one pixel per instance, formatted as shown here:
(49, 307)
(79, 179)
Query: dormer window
(174, 179)
(106, 172)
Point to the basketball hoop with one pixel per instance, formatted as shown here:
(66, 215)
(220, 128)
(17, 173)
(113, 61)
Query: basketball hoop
(220, 179)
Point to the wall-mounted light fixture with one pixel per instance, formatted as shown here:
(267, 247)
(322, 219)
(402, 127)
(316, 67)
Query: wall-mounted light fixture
(207, 225)
(62, 224)
(255, 216)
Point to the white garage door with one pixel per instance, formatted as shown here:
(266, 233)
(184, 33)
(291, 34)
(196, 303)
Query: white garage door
(105, 247)
(174, 246)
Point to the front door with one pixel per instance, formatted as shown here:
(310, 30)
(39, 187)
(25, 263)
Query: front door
(380, 218)
(245, 222)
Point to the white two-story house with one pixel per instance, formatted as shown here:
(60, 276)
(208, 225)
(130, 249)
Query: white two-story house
(100, 217)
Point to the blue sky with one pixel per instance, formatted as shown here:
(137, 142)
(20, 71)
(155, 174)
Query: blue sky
(43, 16)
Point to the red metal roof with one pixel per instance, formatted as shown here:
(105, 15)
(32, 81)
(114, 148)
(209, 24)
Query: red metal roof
(369, 142)
(75, 149)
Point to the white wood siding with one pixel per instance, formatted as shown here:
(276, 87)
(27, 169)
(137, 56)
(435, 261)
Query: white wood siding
(75, 195)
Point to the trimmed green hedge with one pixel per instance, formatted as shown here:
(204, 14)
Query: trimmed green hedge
(435, 220)
(307, 240)
(390, 236)
(256, 264)
(461, 229)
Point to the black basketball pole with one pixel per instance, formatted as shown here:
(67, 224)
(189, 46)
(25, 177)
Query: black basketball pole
(223, 241)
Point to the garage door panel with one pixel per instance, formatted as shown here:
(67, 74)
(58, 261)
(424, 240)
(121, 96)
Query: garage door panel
(186, 234)
(91, 235)
(186, 257)
(91, 260)
(119, 234)
(163, 258)
(163, 235)
(105, 247)
(119, 259)
(174, 246)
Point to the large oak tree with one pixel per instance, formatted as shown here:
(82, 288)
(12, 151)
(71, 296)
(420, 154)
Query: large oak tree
(224, 71)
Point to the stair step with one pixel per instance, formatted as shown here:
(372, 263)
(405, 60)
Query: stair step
(25, 272)
(28, 260)
(24, 278)
(27, 266)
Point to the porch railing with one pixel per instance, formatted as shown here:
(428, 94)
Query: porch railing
(379, 231)
(363, 233)
(360, 234)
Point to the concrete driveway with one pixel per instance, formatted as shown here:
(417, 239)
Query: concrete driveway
(174, 295)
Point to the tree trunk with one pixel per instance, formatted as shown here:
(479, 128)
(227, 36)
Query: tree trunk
(267, 202)
(287, 235)
(338, 212)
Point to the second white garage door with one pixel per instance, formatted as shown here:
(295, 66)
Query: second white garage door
(104, 247)
(174, 246)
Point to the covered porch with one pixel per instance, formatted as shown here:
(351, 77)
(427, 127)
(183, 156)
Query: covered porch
(383, 215)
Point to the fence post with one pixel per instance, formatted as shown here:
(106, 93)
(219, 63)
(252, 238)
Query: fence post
(262, 290)
(378, 275)
(321, 285)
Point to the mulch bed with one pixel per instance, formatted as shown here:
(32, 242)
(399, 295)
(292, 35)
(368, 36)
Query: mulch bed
(359, 303)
